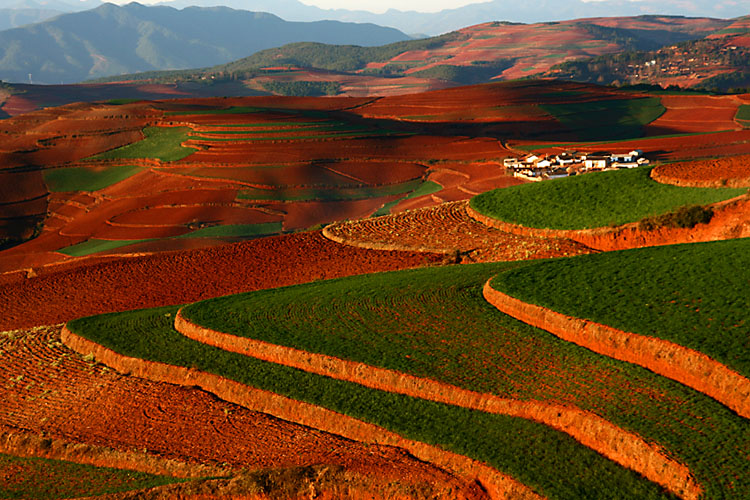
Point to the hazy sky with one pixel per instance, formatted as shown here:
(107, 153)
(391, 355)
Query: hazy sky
(383, 5)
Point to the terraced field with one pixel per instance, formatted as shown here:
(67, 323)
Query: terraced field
(435, 324)
(448, 229)
(693, 301)
(594, 200)
(208, 172)
(500, 441)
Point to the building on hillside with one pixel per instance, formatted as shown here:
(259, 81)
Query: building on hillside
(597, 161)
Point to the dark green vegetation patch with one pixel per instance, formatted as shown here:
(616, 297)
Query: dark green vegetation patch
(87, 178)
(694, 295)
(162, 143)
(93, 246)
(46, 479)
(593, 200)
(243, 231)
(743, 115)
(538, 456)
(614, 119)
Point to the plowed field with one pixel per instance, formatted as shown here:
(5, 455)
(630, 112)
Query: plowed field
(731, 171)
(49, 390)
(448, 229)
(689, 114)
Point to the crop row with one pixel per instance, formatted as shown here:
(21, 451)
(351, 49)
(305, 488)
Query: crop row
(434, 323)
(542, 458)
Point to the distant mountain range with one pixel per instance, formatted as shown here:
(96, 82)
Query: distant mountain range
(111, 40)
(412, 22)
(592, 49)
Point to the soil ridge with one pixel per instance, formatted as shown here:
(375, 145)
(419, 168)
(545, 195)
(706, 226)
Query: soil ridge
(615, 443)
(497, 484)
(687, 366)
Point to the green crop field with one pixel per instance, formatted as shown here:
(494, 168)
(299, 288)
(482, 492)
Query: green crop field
(243, 231)
(163, 143)
(40, 478)
(549, 461)
(93, 246)
(434, 323)
(592, 200)
(608, 119)
(694, 295)
(743, 115)
(87, 178)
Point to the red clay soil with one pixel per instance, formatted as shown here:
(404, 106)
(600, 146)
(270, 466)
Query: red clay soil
(305, 214)
(185, 214)
(84, 287)
(731, 219)
(674, 361)
(733, 171)
(124, 421)
(448, 229)
(689, 114)
(623, 447)
(495, 483)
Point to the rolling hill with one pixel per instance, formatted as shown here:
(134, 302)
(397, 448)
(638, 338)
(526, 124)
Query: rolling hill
(481, 53)
(112, 40)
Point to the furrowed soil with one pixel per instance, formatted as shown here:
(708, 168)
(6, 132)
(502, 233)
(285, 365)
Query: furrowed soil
(125, 421)
(733, 171)
(60, 293)
(449, 230)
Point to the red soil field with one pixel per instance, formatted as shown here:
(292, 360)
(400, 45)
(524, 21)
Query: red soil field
(93, 286)
(448, 229)
(183, 215)
(689, 114)
(733, 171)
(305, 214)
(50, 390)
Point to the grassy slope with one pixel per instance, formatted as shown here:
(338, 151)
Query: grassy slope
(694, 295)
(87, 178)
(592, 200)
(93, 246)
(435, 323)
(608, 119)
(548, 461)
(44, 478)
(163, 143)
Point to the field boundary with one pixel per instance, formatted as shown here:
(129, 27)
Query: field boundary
(379, 246)
(621, 446)
(658, 176)
(731, 220)
(497, 484)
(21, 444)
(687, 366)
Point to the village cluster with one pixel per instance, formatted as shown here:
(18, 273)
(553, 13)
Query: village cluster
(537, 168)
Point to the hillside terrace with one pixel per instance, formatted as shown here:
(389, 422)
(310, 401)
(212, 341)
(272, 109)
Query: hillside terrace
(536, 168)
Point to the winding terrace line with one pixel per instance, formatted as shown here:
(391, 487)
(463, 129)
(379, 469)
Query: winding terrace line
(687, 366)
(497, 484)
(615, 443)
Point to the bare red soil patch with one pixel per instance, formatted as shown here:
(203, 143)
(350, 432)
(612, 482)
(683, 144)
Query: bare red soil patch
(448, 229)
(689, 114)
(64, 292)
(183, 215)
(50, 390)
(732, 171)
